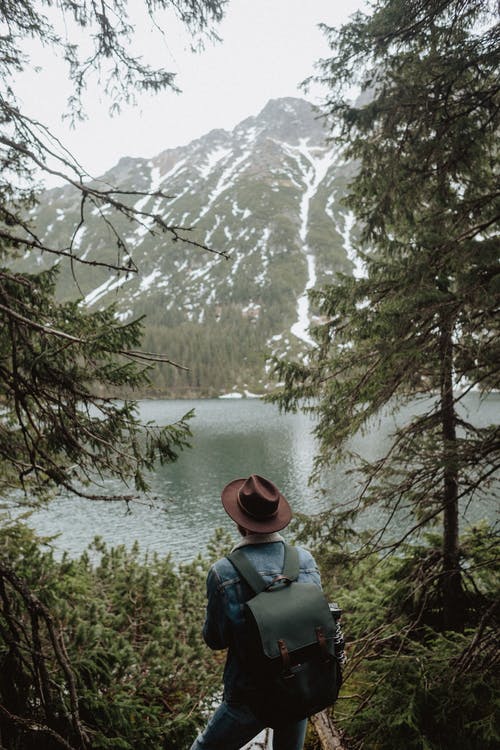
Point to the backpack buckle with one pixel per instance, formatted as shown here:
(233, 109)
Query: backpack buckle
(320, 636)
(285, 659)
(279, 579)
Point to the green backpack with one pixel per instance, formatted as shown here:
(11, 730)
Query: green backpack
(289, 644)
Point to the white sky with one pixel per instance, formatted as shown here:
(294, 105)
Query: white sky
(267, 48)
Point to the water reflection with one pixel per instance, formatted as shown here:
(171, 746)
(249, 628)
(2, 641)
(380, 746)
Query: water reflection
(231, 439)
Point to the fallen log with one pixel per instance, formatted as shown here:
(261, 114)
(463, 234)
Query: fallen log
(330, 737)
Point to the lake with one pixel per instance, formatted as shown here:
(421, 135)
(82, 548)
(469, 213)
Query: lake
(232, 438)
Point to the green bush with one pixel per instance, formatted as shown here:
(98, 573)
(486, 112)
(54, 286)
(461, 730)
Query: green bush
(408, 683)
(131, 627)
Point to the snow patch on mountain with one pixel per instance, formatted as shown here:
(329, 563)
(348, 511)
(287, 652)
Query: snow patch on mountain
(109, 285)
(122, 316)
(77, 241)
(313, 175)
(147, 281)
(262, 245)
(225, 181)
(359, 267)
(212, 159)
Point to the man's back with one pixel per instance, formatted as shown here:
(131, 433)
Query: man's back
(226, 594)
(260, 510)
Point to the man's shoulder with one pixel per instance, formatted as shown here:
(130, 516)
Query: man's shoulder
(224, 570)
(306, 560)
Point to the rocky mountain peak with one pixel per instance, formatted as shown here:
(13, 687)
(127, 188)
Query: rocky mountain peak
(268, 194)
(287, 119)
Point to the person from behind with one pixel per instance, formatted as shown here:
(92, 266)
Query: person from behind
(259, 511)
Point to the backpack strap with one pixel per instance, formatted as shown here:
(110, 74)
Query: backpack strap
(247, 570)
(254, 579)
(291, 566)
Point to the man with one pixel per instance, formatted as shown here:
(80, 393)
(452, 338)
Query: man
(259, 510)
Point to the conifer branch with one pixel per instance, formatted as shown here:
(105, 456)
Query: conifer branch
(39, 613)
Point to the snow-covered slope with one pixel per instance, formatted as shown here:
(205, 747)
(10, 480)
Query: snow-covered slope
(268, 194)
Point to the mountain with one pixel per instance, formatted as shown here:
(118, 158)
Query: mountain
(268, 194)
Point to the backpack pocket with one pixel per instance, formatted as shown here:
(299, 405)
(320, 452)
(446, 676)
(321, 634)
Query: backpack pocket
(305, 689)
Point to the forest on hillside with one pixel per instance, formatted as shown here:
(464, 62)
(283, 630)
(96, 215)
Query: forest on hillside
(105, 651)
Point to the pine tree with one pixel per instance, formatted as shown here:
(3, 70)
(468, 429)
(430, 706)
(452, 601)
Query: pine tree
(423, 319)
(57, 363)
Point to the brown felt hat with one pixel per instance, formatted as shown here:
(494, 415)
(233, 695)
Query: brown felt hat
(256, 504)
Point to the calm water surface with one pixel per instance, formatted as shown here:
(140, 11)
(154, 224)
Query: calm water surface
(232, 438)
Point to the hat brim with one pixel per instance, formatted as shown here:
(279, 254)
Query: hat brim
(229, 497)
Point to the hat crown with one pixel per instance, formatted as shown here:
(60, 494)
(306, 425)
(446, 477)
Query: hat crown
(259, 498)
(256, 504)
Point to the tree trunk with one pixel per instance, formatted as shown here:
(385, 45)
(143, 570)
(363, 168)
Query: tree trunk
(451, 583)
(329, 736)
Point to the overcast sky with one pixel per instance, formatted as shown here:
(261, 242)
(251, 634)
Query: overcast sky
(267, 48)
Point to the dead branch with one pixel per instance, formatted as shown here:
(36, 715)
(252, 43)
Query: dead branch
(36, 728)
(330, 737)
(39, 614)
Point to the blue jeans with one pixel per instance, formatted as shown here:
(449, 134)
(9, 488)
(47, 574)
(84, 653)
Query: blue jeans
(233, 725)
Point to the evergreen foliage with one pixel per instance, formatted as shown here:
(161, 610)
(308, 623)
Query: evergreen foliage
(56, 428)
(408, 684)
(423, 321)
(89, 658)
(419, 328)
(128, 642)
(56, 361)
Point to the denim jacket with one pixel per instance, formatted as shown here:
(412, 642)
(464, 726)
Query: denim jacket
(226, 594)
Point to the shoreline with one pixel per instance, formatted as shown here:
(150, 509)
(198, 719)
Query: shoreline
(188, 395)
(237, 395)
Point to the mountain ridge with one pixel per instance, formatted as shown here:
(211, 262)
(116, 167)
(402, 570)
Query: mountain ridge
(267, 194)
